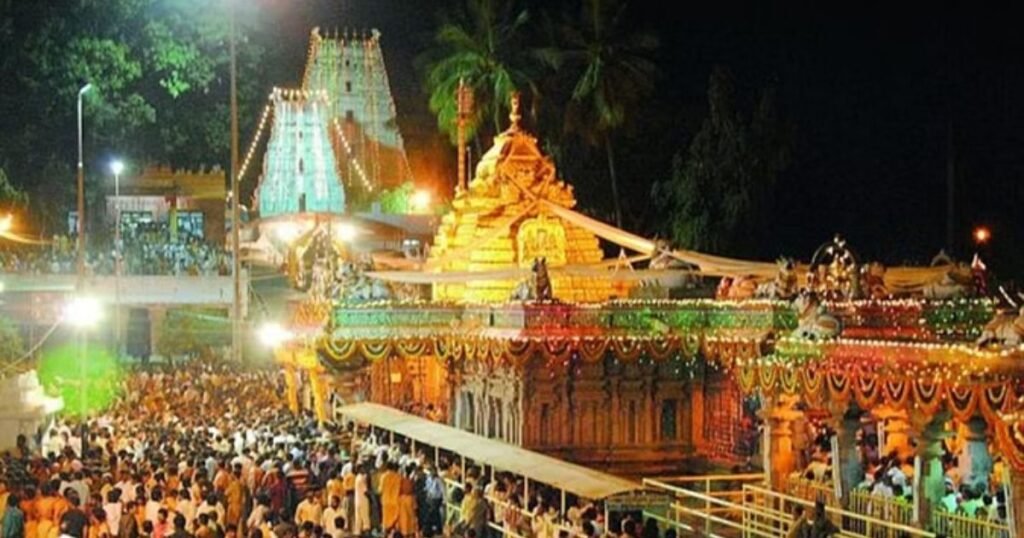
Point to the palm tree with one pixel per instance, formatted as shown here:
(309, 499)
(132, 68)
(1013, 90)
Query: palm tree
(481, 44)
(613, 72)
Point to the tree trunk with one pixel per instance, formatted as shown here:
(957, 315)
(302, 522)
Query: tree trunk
(614, 180)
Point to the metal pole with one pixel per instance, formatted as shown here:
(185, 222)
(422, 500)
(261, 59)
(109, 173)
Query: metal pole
(117, 263)
(460, 122)
(81, 196)
(236, 264)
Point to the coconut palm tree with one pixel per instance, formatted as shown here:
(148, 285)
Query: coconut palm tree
(613, 71)
(482, 43)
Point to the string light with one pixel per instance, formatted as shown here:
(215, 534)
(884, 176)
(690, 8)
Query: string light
(256, 139)
(351, 155)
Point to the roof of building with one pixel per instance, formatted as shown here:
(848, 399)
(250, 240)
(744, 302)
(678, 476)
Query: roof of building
(576, 479)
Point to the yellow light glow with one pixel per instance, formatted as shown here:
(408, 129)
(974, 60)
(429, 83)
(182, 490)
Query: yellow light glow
(288, 231)
(982, 235)
(83, 312)
(346, 232)
(273, 334)
(6, 223)
(420, 201)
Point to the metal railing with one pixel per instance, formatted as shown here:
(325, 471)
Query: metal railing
(758, 512)
(812, 490)
(964, 526)
(723, 487)
(882, 508)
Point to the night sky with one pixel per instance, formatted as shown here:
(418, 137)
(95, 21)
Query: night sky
(873, 96)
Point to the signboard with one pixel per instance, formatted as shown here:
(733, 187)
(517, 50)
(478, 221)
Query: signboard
(646, 501)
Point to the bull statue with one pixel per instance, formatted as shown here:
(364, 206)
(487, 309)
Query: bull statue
(536, 287)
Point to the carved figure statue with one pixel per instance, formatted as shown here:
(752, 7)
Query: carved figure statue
(736, 288)
(813, 321)
(1006, 327)
(784, 285)
(979, 276)
(956, 283)
(542, 282)
(872, 281)
(355, 287)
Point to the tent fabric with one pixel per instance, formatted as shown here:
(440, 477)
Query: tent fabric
(572, 478)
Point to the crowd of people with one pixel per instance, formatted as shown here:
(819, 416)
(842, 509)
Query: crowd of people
(208, 452)
(147, 249)
(891, 477)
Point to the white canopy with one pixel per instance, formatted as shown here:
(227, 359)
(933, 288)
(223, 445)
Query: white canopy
(569, 477)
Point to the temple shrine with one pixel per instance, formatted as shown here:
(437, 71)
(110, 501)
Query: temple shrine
(528, 336)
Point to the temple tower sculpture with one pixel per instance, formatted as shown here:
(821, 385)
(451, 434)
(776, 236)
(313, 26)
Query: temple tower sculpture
(499, 225)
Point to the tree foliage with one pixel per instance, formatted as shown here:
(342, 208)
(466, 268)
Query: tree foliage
(397, 200)
(11, 197)
(483, 43)
(610, 66)
(191, 331)
(159, 70)
(12, 347)
(721, 194)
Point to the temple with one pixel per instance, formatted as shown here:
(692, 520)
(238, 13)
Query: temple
(528, 336)
(300, 172)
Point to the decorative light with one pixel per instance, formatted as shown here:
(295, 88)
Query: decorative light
(982, 235)
(352, 157)
(6, 223)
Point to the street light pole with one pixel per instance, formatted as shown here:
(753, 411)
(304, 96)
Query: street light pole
(117, 167)
(81, 194)
(236, 263)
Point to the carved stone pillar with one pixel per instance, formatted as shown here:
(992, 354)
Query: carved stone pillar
(779, 430)
(1016, 498)
(846, 421)
(929, 483)
(697, 414)
(975, 461)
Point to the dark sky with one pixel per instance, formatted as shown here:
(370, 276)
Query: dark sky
(873, 95)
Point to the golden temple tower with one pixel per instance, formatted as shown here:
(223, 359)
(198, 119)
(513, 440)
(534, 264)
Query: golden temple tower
(498, 225)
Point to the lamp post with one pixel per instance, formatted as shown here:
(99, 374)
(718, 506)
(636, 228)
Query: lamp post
(81, 194)
(117, 166)
(236, 262)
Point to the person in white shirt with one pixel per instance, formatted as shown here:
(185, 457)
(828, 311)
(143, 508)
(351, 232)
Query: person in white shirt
(331, 513)
(113, 509)
(153, 506)
(187, 508)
